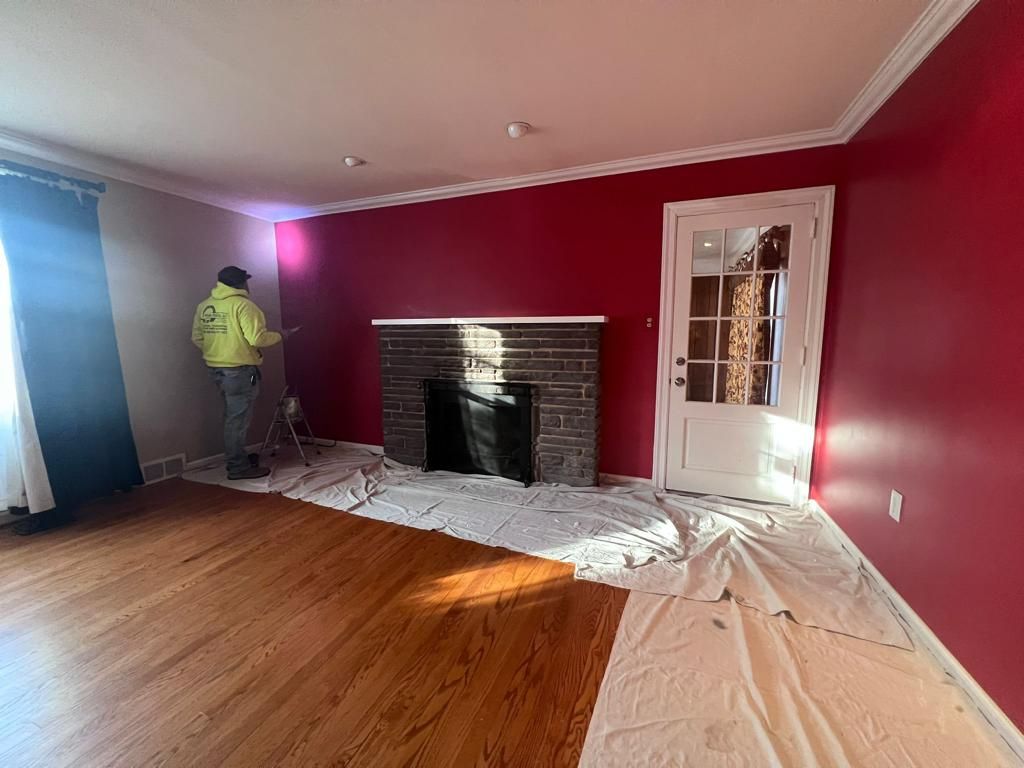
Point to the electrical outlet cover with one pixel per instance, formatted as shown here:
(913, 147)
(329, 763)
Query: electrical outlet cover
(896, 505)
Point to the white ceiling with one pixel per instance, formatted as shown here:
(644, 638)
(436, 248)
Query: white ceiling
(254, 104)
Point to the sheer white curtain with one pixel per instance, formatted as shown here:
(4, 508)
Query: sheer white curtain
(23, 478)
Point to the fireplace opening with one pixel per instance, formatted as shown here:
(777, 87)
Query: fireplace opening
(479, 428)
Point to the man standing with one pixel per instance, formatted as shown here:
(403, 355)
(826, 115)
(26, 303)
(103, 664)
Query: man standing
(230, 330)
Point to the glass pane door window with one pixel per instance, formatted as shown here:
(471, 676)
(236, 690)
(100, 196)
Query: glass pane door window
(737, 313)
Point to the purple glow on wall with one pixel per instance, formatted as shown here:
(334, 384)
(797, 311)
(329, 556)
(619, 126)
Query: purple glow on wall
(292, 249)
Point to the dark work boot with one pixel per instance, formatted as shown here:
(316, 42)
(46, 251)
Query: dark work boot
(249, 473)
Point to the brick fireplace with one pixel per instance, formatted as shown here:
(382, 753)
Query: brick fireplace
(559, 357)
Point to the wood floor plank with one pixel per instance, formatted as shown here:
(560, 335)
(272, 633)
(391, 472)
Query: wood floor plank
(374, 654)
(514, 718)
(184, 624)
(415, 704)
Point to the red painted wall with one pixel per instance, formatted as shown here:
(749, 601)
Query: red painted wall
(923, 386)
(923, 379)
(589, 247)
(923, 376)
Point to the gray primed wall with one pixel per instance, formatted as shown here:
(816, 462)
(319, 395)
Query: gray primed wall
(162, 255)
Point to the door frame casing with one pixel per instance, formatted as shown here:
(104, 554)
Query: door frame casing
(823, 199)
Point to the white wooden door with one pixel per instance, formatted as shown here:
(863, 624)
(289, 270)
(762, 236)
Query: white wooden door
(737, 350)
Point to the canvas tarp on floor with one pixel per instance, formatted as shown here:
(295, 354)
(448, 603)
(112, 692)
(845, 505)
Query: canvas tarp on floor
(717, 685)
(705, 681)
(769, 558)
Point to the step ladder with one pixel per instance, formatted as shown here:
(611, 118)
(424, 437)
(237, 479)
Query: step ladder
(288, 414)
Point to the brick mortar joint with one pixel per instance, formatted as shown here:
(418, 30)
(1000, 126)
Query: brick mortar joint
(537, 356)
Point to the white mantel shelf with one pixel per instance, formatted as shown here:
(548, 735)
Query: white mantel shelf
(493, 320)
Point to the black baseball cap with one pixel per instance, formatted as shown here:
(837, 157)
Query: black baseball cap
(234, 277)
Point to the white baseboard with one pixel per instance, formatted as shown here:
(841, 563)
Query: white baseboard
(608, 477)
(360, 446)
(923, 637)
(326, 442)
(198, 463)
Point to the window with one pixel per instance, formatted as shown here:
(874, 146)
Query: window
(737, 315)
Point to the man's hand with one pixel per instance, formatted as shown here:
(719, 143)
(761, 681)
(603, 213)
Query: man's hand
(287, 332)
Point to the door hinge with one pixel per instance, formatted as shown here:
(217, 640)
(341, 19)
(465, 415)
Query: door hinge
(814, 227)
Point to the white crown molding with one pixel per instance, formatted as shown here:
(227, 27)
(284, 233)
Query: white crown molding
(118, 170)
(938, 18)
(934, 23)
(552, 320)
(785, 143)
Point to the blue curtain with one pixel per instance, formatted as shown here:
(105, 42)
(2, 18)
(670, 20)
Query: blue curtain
(50, 231)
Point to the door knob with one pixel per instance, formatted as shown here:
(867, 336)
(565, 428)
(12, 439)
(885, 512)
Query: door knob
(680, 381)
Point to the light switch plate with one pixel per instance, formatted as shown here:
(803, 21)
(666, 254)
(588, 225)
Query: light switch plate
(896, 505)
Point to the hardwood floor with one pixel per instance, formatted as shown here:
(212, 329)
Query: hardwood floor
(185, 624)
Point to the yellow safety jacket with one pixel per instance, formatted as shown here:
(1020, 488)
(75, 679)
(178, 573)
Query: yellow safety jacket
(230, 329)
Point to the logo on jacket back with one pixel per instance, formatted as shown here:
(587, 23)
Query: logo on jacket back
(213, 321)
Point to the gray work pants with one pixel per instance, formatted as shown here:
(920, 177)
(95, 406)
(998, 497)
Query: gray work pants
(239, 387)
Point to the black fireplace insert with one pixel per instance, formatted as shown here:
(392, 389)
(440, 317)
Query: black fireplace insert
(480, 428)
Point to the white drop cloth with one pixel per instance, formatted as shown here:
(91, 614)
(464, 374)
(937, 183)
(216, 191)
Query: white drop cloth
(769, 558)
(717, 685)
